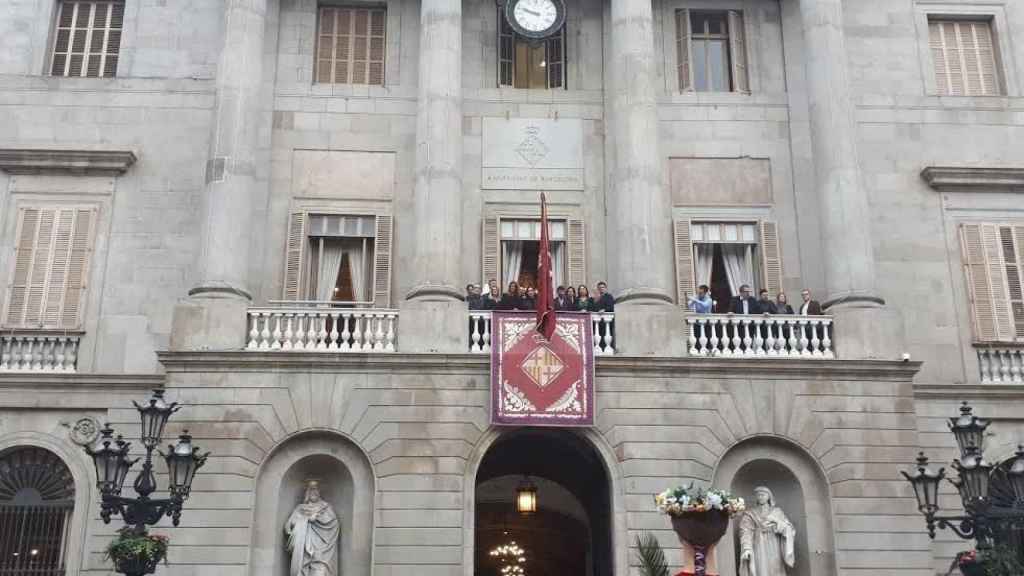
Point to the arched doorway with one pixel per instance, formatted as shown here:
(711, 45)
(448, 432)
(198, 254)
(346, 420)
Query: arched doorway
(570, 534)
(37, 499)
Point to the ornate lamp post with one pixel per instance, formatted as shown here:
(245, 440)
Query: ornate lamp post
(992, 496)
(110, 456)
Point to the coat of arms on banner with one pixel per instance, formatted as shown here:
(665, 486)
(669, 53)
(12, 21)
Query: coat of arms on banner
(540, 382)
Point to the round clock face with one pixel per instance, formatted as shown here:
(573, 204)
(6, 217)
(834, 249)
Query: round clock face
(535, 18)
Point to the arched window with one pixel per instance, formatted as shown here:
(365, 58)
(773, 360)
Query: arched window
(37, 496)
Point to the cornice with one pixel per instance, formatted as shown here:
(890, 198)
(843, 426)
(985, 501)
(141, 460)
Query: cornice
(959, 392)
(78, 382)
(975, 178)
(478, 364)
(75, 162)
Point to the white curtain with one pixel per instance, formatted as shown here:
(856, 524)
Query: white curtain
(705, 262)
(558, 264)
(738, 266)
(511, 261)
(357, 271)
(327, 274)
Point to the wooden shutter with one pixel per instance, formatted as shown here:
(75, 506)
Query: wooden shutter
(683, 68)
(491, 250)
(351, 45)
(52, 255)
(576, 244)
(963, 54)
(987, 282)
(684, 261)
(382, 262)
(738, 52)
(506, 49)
(555, 59)
(295, 254)
(771, 258)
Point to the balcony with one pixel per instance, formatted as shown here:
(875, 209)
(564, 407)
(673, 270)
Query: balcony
(39, 351)
(313, 327)
(1001, 364)
(739, 336)
(480, 333)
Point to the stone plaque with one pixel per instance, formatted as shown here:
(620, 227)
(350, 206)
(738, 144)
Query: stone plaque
(532, 154)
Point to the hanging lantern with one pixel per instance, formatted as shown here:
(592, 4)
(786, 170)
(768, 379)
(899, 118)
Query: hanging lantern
(974, 474)
(183, 459)
(526, 497)
(154, 417)
(110, 456)
(1016, 477)
(969, 430)
(926, 485)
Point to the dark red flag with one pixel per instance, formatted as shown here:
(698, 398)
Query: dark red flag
(545, 278)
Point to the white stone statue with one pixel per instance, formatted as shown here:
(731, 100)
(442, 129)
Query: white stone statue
(767, 538)
(312, 531)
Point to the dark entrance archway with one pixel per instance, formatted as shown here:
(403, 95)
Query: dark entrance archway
(571, 532)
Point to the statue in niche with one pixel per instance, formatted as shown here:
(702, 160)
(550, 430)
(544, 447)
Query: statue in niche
(767, 538)
(312, 531)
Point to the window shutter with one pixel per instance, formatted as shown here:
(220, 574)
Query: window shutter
(738, 52)
(771, 257)
(24, 254)
(684, 261)
(491, 249)
(576, 244)
(683, 68)
(986, 57)
(986, 281)
(506, 49)
(382, 262)
(555, 59)
(69, 270)
(294, 255)
(936, 41)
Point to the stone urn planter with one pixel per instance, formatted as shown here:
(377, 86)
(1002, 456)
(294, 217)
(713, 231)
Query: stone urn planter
(701, 530)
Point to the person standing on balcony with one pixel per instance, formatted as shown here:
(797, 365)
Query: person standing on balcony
(473, 297)
(511, 300)
(605, 301)
(745, 302)
(492, 298)
(570, 294)
(702, 302)
(584, 303)
(809, 307)
(562, 301)
(764, 302)
(781, 306)
(531, 298)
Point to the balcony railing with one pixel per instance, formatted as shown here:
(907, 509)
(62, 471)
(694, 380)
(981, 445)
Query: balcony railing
(1003, 364)
(603, 322)
(38, 351)
(729, 335)
(308, 329)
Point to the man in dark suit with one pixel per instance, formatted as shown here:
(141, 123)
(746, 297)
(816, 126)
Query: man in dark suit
(605, 302)
(809, 307)
(745, 302)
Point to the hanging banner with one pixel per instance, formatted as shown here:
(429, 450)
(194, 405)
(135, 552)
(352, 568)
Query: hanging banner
(540, 382)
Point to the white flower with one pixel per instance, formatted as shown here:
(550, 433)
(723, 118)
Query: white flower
(714, 501)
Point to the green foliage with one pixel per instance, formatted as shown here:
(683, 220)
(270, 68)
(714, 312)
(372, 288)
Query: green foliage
(131, 546)
(1002, 560)
(652, 557)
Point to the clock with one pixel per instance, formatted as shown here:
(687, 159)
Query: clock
(535, 19)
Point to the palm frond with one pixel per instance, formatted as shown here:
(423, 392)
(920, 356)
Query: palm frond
(652, 557)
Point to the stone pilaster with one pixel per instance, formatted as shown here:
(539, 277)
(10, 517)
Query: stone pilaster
(639, 220)
(864, 327)
(213, 317)
(433, 316)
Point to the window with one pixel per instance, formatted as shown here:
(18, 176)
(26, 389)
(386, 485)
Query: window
(350, 46)
(53, 248)
(725, 256)
(37, 494)
(511, 249)
(339, 258)
(710, 51)
(525, 63)
(87, 41)
(964, 57)
(992, 258)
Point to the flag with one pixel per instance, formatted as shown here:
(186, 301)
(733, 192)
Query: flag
(545, 278)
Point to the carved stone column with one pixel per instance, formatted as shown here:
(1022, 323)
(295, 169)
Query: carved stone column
(433, 318)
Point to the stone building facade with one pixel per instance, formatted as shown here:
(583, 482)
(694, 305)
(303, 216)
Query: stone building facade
(178, 175)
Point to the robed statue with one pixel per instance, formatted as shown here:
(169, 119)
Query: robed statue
(312, 531)
(766, 538)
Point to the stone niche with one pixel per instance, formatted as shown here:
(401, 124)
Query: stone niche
(720, 181)
(800, 490)
(346, 482)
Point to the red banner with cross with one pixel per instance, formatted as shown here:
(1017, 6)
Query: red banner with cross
(537, 381)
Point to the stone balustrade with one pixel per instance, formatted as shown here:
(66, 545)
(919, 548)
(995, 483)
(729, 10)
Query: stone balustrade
(738, 336)
(480, 333)
(39, 351)
(322, 330)
(1003, 364)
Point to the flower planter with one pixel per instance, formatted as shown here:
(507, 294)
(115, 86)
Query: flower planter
(701, 528)
(972, 569)
(136, 566)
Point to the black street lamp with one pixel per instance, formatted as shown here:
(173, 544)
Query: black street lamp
(110, 456)
(992, 496)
